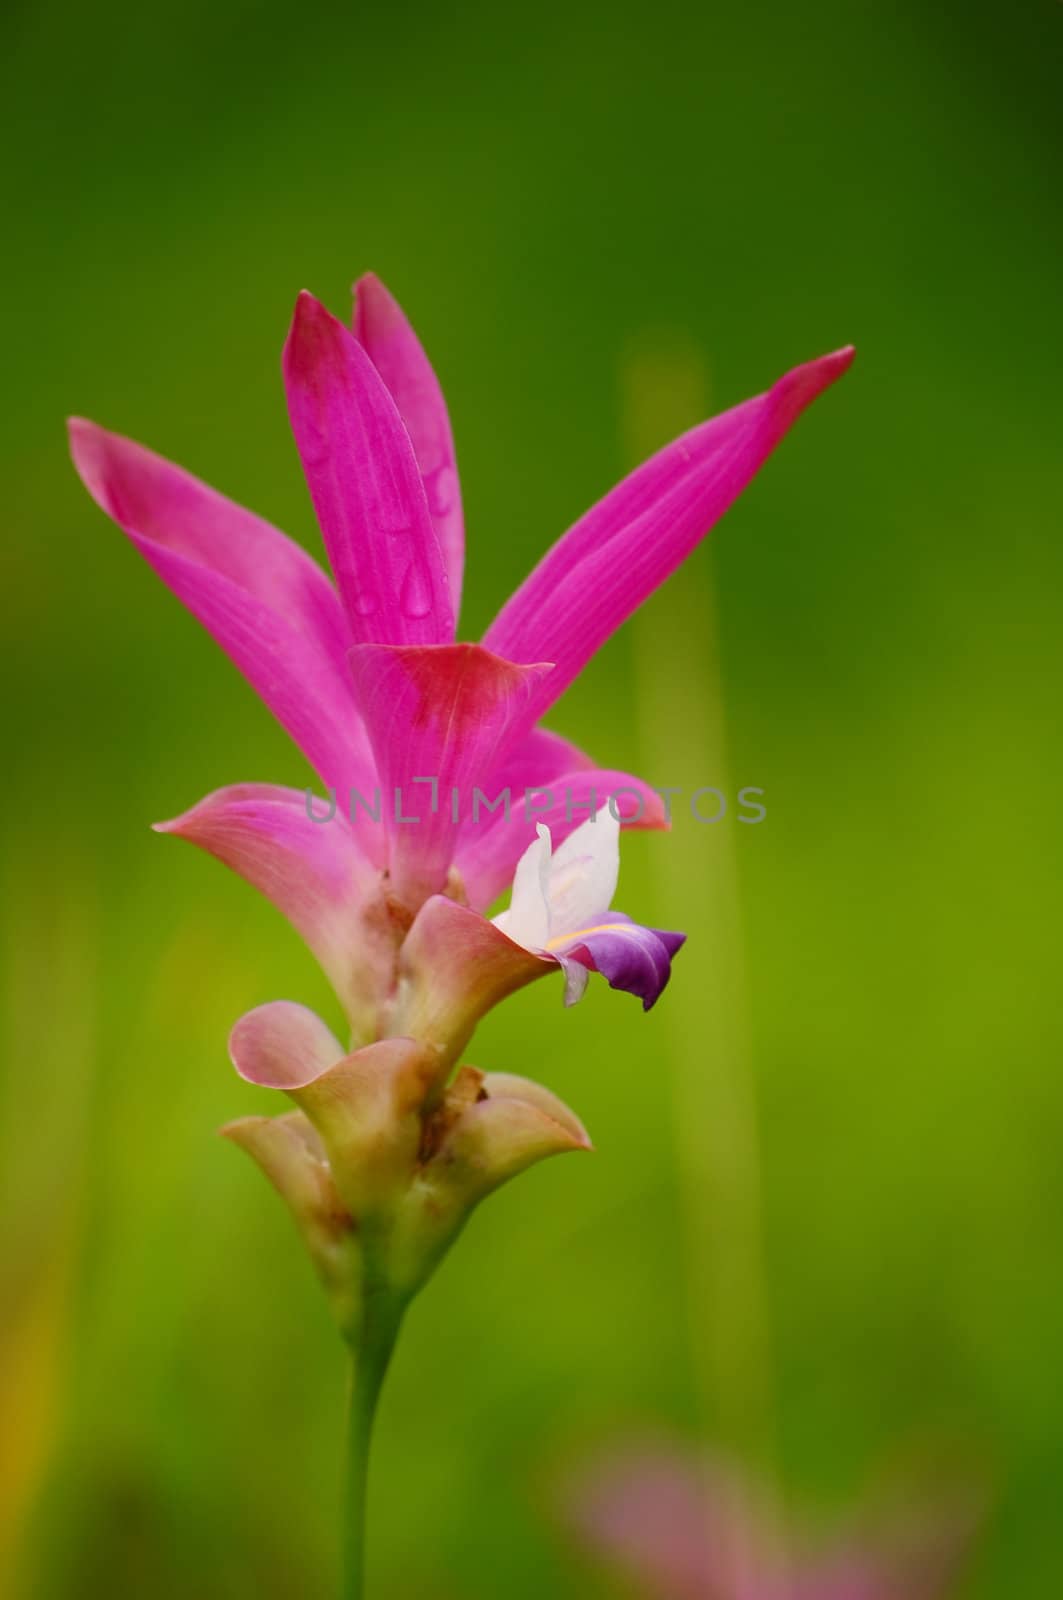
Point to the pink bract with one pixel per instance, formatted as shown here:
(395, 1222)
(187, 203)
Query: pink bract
(365, 673)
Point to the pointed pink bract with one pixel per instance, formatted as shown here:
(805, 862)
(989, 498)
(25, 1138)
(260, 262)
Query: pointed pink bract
(365, 484)
(396, 352)
(624, 548)
(268, 605)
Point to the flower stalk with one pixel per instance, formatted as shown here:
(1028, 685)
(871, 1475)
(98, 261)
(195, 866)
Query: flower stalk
(371, 1351)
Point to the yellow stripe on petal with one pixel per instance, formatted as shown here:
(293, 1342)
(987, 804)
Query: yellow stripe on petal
(585, 933)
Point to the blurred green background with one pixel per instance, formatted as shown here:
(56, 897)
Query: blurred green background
(822, 1229)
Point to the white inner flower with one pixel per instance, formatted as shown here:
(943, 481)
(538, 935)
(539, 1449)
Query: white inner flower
(557, 894)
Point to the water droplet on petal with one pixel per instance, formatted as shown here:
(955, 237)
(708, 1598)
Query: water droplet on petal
(415, 596)
(440, 487)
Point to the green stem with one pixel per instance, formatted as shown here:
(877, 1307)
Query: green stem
(371, 1351)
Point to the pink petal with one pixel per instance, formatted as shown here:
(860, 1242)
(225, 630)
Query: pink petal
(271, 608)
(282, 1045)
(365, 484)
(439, 720)
(488, 850)
(626, 545)
(541, 756)
(681, 1530)
(396, 352)
(313, 872)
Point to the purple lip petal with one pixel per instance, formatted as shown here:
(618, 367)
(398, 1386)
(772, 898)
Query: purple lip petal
(624, 547)
(395, 350)
(445, 713)
(271, 608)
(626, 954)
(364, 481)
(673, 942)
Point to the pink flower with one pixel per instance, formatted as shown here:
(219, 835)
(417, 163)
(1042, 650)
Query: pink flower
(697, 1530)
(393, 1142)
(366, 676)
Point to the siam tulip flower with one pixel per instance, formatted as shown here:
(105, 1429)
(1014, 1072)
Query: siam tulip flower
(427, 741)
(366, 676)
(685, 1529)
